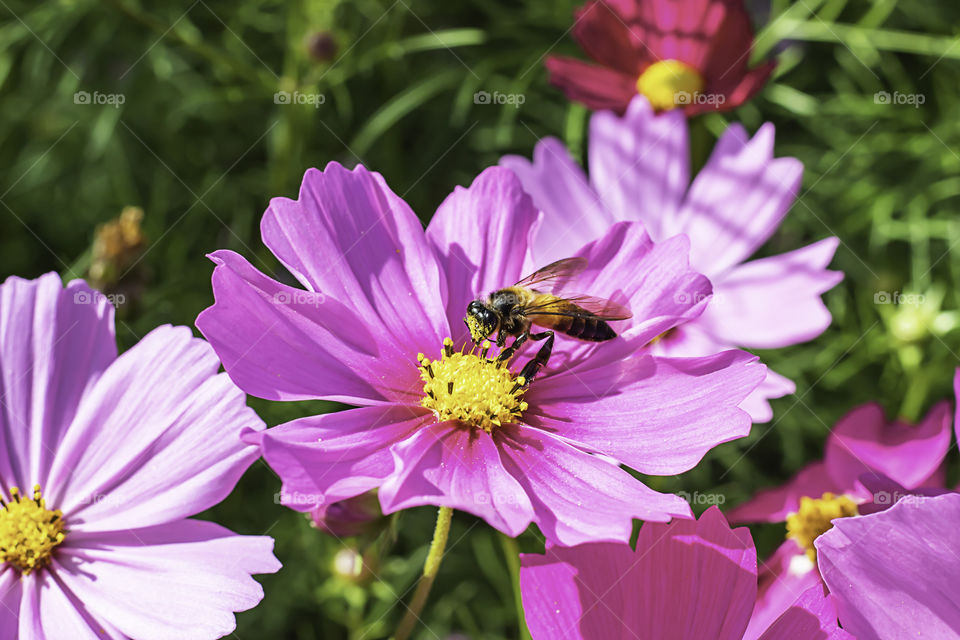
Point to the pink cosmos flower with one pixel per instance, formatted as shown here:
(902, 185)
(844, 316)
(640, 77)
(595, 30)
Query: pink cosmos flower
(894, 573)
(687, 580)
(103, 460)
(438, 423)
(862, 444)
(689, 54)
(639, 171)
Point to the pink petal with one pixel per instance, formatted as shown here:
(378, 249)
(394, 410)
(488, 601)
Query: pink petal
(700, 578)
(578, 497)
(738, 199)
(956, 398)
(11, 594)
(595, 86)
(682, 31)
(480, 235)
(282, 343)
(54, 342)
(654, 280)
(451, 465)
(784, 578)
(656, 415)
(773, 386)
(773, 505)
(864, 441)
(694, 339)
(607, 38)
(687, 580)
(895, 572)
(812, 617)
(774, 302)
(577, 593)
(743, 89)
(639, 164)
(687, 340)
(884, 492)
(730, 40)
(49, 611)
(325, 458)
(573, 214)
(179, 580)
(351, 238)
(156, 438)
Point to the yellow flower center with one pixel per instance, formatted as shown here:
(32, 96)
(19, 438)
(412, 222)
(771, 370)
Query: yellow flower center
(29, 531)
(669, 84)
(471, 388)
(814, 517)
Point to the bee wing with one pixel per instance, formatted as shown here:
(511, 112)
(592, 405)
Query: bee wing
(555, 274)
(580, 306)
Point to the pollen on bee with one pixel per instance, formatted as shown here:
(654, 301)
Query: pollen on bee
(471, 388)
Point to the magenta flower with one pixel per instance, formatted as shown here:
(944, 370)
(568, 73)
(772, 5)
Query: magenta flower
(103, 460)
(438, 423)
(639, 170)
(686, 54)
(687, 580)
(894, 573)
(863, 443)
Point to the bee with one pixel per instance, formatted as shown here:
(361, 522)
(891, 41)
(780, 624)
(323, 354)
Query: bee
(513, 311)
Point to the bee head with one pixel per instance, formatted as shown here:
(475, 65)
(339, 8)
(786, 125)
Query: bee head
(480, 320)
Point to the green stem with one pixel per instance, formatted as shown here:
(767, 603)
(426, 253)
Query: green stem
(430, 569)
(512, 553)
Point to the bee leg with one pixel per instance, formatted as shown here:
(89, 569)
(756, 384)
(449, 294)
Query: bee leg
(540, 360)
(507, 353)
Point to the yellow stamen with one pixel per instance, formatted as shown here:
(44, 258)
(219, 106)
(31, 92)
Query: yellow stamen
(669, 84)
(471, 388)
(813, 519)
(29, 531)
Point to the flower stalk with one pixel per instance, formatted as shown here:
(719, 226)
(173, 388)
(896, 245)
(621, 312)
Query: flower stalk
(430, 568)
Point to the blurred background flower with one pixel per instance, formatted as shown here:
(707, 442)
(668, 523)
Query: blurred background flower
(689, 55)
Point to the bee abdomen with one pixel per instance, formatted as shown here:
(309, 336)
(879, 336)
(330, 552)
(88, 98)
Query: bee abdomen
(589, 329)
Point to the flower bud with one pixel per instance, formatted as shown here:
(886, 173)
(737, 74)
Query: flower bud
(351, 517)
(321, 46)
